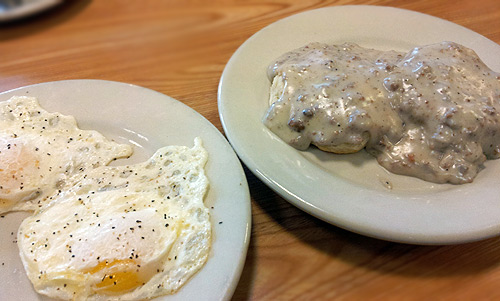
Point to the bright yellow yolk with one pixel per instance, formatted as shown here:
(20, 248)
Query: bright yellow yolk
(119, 276)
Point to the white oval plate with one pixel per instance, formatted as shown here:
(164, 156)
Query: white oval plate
(148, 120)
(350, 191)
(17, 9)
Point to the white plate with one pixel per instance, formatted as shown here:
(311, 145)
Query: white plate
(348, 190)
(149, 120)
(17, 9)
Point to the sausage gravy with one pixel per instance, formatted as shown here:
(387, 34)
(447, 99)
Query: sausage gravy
(432, 113)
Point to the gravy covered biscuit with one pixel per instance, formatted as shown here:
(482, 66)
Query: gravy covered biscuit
(432, 113)
(40, 151)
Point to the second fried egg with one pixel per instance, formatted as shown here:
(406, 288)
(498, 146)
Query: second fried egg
(126, 232)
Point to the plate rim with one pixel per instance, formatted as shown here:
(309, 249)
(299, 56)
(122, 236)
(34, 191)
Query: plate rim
(28, 9)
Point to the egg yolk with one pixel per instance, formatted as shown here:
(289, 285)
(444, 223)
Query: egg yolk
(17, 166)
(119, 276)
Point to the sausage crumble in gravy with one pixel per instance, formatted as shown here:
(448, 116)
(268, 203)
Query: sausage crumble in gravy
(432, 113)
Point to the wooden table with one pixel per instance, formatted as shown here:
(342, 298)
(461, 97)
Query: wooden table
(179, 48)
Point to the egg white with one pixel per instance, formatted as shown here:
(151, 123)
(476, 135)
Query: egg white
(41, 151)
(124, 233)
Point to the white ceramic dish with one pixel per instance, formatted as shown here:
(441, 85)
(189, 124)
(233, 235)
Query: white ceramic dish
(17, 9)
(149, 120)
(350, 191)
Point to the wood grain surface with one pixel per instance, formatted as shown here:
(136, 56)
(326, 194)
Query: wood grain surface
(179, 48)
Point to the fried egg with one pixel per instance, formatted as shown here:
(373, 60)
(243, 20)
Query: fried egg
(125, 232)
(41, 151)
